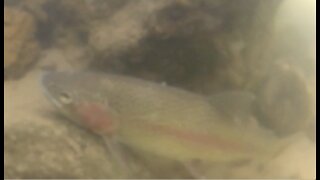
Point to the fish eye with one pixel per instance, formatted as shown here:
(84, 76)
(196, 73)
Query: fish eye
(65, 97)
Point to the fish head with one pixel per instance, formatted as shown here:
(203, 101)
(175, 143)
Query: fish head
(79, 98)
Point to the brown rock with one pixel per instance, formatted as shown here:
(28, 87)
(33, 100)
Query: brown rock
(40, 144)
(20, 48)
(285, 101)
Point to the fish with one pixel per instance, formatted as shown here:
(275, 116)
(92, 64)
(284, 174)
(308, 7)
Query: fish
(160, 119)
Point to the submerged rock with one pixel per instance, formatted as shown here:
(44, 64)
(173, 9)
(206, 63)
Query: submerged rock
(41, 144)
(20, 47)
(285, 101)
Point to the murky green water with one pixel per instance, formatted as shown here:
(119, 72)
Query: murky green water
(159, 89)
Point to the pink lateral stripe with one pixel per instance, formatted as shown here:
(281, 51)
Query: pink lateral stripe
(211, 141)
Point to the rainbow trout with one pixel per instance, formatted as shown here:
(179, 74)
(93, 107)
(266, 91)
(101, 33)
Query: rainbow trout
(155, 118)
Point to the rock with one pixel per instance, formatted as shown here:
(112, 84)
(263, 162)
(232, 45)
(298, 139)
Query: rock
(297, 161)
(125, 28)
(195, 45)
(34, 7)
(64, 58)
(42, 144)
(284, 101)
(20, 47)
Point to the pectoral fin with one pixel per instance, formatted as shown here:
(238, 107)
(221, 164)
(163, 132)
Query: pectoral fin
(117, 154)
(193, 170)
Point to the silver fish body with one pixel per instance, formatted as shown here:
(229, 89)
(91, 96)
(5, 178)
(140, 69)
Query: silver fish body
(154, 118)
